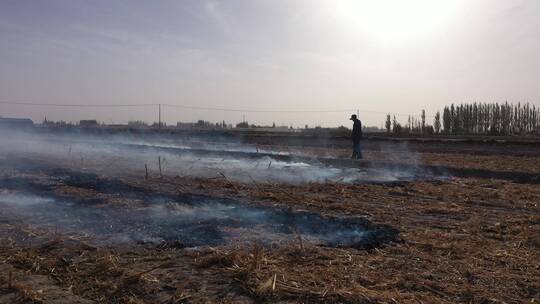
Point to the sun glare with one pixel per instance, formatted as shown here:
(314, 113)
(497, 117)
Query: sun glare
(396, 20)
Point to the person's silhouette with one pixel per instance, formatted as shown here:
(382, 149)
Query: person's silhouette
(356, 136)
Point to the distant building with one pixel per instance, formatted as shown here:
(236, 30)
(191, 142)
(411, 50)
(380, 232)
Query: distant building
(16, 122)
(137, 124)
(256, 128)
(88, 123)
(243, 124)
(117, 126)
(273, 129)
(200, 125)
(185, 125)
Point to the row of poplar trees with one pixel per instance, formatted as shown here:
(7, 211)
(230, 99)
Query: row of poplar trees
(490, 118)
(475, 118)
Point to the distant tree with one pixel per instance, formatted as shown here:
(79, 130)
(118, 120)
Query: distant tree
(454, 119)
(491, 118)
(437, 123)
(446, 120)
(343, 131)
(396, 127)
(476, 118)
(156, 124)
(423, 121)
(243, 124)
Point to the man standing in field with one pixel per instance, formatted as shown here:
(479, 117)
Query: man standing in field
(356, 137)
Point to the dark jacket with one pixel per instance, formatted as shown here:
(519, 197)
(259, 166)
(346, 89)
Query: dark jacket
(357, 130)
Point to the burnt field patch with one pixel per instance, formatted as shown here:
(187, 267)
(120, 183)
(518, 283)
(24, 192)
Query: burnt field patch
(471, 238)
(118, 213)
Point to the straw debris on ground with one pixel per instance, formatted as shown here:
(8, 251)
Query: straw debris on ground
(462, 240)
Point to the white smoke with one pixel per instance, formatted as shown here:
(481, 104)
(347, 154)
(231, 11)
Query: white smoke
(121, 155)
(203, 221)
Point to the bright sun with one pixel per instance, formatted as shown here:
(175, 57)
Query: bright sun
(396, 20)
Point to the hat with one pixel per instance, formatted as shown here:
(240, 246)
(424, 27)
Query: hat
(353, 117)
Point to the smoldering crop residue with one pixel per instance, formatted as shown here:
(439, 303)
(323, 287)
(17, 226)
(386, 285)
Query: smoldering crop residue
(119, 155)
(203, 221)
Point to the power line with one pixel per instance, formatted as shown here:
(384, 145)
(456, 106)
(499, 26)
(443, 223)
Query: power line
(78, 105)
(173, 106)
(256, 111)
(200, 108)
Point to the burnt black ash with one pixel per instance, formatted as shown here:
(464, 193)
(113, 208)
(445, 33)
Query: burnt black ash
(173, 221)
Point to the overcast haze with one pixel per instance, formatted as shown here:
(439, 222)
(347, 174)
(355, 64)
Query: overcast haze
(381, 56)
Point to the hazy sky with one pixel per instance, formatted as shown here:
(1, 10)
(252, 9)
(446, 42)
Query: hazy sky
(382, 56)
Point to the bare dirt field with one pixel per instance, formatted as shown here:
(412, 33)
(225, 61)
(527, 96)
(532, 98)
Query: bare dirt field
(102, 224)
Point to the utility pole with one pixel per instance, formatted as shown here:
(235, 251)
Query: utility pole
(159, 116)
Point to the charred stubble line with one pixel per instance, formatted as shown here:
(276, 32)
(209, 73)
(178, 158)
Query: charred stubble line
(122, 153)
(180, 220)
